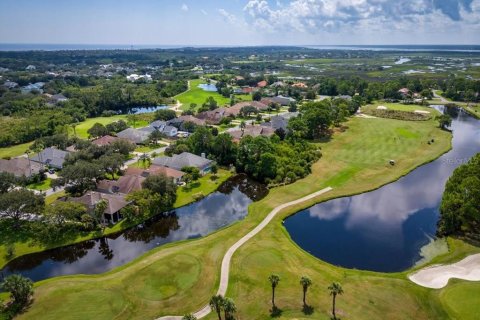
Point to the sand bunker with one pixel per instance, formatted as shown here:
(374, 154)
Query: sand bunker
(437, 277)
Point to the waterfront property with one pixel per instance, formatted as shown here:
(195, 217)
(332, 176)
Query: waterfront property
(185, 159)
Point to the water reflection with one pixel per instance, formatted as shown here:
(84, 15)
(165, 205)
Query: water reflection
(215, 211)
(383, 230)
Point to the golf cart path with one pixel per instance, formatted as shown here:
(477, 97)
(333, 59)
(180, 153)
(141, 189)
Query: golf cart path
(225, 270)
(437, 277)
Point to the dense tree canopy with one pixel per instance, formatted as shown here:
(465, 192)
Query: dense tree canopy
(460, 207)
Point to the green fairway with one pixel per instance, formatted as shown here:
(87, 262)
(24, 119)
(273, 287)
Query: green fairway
(82, 128)
(199, 96)
(460, 299)
(354, 161)
(204, 186)
(14, 151)
(399, 106)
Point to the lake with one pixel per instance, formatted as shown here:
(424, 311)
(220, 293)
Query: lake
(385, 230)
(140, 110)
(215, 211)
(208, 87)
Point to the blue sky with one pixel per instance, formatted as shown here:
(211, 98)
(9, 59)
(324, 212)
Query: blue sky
(240, 22)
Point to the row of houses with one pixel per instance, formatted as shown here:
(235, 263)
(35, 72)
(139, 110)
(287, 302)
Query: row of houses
(114, 192)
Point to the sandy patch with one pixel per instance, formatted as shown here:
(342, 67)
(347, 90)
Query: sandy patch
(437, 277)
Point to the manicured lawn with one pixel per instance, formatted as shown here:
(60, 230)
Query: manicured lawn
(41, 186)
(54, 197)
(82, 128)
(205, 185)
(199, 96)
(149, 148)
(399, 106)
(180, 277)
(460, 299)
(14, 151)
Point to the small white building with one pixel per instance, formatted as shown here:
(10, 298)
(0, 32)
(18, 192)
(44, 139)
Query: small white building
(30, 67)
(134, 77)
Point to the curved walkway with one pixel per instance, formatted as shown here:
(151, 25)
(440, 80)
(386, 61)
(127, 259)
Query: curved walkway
(225, 270)
(437, 277)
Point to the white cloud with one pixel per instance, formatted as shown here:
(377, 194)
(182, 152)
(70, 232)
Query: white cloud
(184, 7)
(229, 17)
(359, 16)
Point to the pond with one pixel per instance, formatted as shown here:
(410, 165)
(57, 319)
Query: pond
(140, 110)
(219, 209)
(208, 87)
(385, 230)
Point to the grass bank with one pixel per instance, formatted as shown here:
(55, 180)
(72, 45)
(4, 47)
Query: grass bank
(197, 95)
(23, 245)
(179, 278)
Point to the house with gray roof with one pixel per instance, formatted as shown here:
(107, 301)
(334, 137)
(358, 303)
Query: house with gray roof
(185, 159)
(51, 157)
(20, 167)
(136, 136)
(163, 127)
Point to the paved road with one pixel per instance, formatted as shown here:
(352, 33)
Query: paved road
(225, 270)
(442, 99)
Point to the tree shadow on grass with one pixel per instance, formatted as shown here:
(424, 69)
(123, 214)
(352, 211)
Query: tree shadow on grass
(275, 312)
(307, 310)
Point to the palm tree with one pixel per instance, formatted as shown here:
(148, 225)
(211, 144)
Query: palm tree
(335, 289)
(243, 125)
(216, 303)
(189, 317)
(229, 308)
(74, 127)
(274, 280)
(305, 282)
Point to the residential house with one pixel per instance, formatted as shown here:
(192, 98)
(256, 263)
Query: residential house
(56, 98)
(20, 167)
(185, 159)
(163, 127)
(404, 92)
(105, 140)
(33, 87)
(175, 175)
(179, 122)
(134, 77)
(300, 85)
(262, 84)
(280, 121)
(235, 109)
(115, 203)
(136, 136)
(281, 100)
(251, 130)
(10, 84)
(125, 184)
(247, 90)
(213, 116)
(30, 67)
(278, 84)
(51, 157)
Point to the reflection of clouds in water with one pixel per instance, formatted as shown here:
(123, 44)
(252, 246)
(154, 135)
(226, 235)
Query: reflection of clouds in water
(380, 214)
(200, 218)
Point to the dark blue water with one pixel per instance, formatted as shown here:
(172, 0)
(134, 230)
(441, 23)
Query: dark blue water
(385, 229)
(221, 208)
